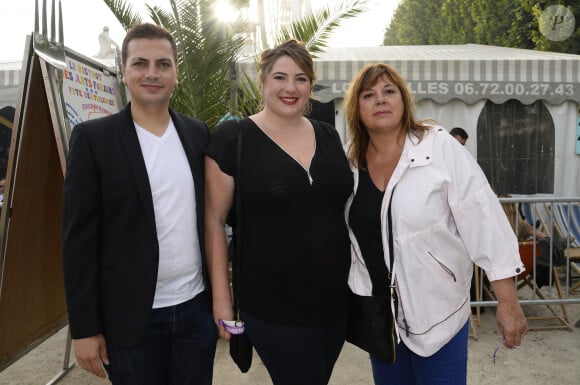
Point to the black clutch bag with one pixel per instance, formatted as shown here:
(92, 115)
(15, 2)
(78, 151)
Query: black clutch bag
(371, 326)
(241, 351)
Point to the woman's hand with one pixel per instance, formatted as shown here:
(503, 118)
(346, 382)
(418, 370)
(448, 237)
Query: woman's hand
(222, 310)
(512, 323)
(510, 318)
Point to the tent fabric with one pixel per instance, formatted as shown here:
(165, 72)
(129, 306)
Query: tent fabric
(9, 83)
(566, 163)
(469, 72)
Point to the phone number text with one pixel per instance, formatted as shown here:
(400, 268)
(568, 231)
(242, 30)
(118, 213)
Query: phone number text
(492, 88)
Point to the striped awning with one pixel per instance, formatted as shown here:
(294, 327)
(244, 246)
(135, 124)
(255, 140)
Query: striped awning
(468, 72)
(9, 83)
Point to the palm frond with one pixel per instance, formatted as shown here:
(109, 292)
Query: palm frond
(207, 49)
(123, 12)
(183, 97)
(161, 17)
(316, 28)
(249, 99)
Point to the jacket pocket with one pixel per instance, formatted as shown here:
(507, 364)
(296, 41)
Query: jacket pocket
(443, 267)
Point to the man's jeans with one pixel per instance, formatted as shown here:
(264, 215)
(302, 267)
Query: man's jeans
(178, 348)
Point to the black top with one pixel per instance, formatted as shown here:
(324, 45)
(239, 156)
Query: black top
(365, 221)
(295, 247)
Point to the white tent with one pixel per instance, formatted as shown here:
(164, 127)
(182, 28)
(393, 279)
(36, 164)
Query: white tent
(453, 83)
(440, 73)
(9, 83)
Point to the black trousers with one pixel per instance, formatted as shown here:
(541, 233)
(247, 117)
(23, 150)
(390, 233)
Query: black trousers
(294, 355)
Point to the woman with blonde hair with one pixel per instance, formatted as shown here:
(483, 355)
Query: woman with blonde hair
(523, 229)
(294, 182)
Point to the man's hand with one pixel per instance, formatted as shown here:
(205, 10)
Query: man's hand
(91, 354)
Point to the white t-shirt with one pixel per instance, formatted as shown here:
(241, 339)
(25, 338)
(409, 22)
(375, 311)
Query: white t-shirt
(172, 187)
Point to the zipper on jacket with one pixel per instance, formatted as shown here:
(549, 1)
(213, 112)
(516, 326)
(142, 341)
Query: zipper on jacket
(445, 268)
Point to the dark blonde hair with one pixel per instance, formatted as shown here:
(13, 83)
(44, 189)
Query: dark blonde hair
(519, 224)
(364, 80)
(294, 49)
(147, 31)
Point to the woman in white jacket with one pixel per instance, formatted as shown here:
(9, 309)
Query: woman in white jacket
(444, 216)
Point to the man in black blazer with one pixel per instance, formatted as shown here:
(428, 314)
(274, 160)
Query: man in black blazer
(133, 252)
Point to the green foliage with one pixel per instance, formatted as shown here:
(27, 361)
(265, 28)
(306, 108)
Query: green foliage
(249, 97)
(507, 23)
(457, 25)
(124, 13)
(207, 47)
(569, 45)
(415, 22)
(501, 23)
(315, 29)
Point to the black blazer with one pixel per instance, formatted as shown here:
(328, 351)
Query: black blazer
(110, 248)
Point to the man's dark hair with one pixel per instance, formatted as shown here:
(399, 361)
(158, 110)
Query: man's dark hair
(459, 131)
(147, 31)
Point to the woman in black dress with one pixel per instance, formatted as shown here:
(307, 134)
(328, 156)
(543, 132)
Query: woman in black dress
(295, 180)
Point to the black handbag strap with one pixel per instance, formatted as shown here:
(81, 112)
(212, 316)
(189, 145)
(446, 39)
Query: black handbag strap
(390, 224)
(394, 295)
(238, 226)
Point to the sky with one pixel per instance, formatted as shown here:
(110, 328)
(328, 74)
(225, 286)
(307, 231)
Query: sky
(85, 19)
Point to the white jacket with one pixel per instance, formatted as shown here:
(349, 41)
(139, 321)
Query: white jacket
(445, 218)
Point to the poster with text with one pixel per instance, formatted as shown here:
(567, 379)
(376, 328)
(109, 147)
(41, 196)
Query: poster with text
(90, 91)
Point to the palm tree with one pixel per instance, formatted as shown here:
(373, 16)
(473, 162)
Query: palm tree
(208, 48)
(314, 29)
